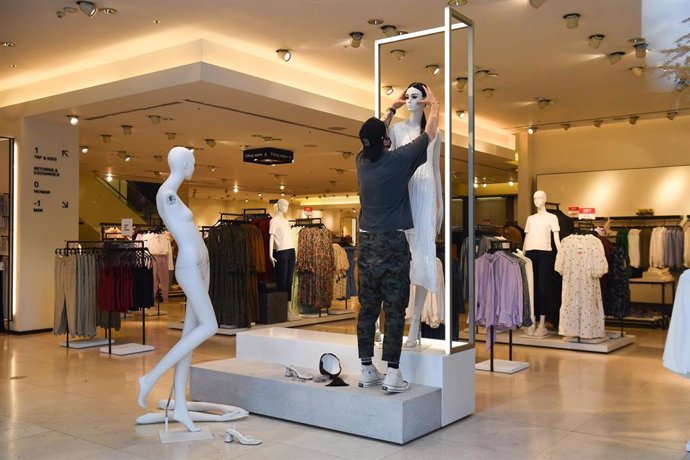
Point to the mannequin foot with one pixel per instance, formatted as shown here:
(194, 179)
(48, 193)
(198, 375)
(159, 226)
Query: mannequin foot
(410, 343)
(541, 332)
(182, 416)
(531, 329)
(144, 390)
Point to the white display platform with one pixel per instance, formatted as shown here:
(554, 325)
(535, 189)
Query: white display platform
(85, 343)
(502, 366)
(232, 331)
(128, 349)
(556, 341)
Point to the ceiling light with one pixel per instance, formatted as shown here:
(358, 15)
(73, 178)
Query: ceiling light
(212, 168)
(595, 40)
(402, 32)
(375, 22)
(615, 57)
(158, 158)
(598, 123)
(282, 187)
(543, 102)
(84, 149)
(260, 195)
(565, 126)
(356, 39)
(87, 8)
(235, 189)
(73, 120)
(399, 55)
(127, 158)
(531, 130)
(637, 71)
(536, 3)
(282, 194)
(481, 74)
(210, 142)
(460, 114)
(488, 92)
(156, 21)
(126, 129)
(60, 14)
(7, 44)
(484, 184)
(671, 115)
(158, 174)
(457, 2)
(106, 138)
(433, 69)
(476, 185)
(460, 83)
(107, 10)
(633, 119)
(109, 177)
(510, 182)
(155, 119)
(640, 50)
(572, 20)
(171, 136)
(283, 54)
(389, 31)
(388, 90)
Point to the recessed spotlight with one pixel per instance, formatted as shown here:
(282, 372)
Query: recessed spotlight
(158, 158)
(284, 54)
(615, 57)
(171, 136)
(640, 50)
(637, 71)
(107, 10)
(598, 123)
(671, 115)
(481, 74)
(460, 114)
(106, 138)
(155, 119)
(543, 102)
(375, 22)
(14, 66)
(388, 90)
(389, 31)
(488, 92)
(156, 21)
(88, 8)
(84, 149)
(210, 142)
(73, 120)
(565, 126)
(126, 129)
(595, 40)
(536, 3)
(70, 10)
(7, 44)
(460, 83)
(212, 168)
(572, 20)
(531, 130)
(633, 119)
(356, 39)
(399, 55)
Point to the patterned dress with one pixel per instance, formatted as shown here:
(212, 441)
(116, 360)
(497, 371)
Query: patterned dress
(582, 262)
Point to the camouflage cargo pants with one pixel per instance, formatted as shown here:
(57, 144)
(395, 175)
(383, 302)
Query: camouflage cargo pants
(384, 276)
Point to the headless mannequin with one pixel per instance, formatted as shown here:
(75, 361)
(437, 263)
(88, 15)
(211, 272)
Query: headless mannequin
(192, 273)
(412, 127)
(538, 236)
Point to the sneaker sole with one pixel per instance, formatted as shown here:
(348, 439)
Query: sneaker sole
(395, 389)
(370, 384)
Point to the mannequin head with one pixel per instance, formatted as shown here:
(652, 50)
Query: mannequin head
(181, 161)
(415, 93)
(539, 199)
(281, 206)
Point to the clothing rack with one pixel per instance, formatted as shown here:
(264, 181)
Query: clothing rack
(644, 221)
(552, 206)
(104, 247)
(500, 246)
(307, 222)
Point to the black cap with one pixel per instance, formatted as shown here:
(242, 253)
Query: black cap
(372, 134)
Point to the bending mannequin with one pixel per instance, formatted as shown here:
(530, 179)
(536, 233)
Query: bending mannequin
(192, 273)
(537, 247)
(283, 258)
(426, 201)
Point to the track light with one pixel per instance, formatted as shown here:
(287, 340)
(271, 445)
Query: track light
(84, 149)
(543, 102)
(126, 129)
(476, 182)
(284, 54)
(157, 174)
(235, 189)
(671, 115)
(488, 92)
(511, 182)
(399, 55)
(633, 119)
(282, 186)
(106, 138)
(460, 114)
(536, 3)
(597, 123)
(433, 69)
(595, 40)
(484, 184)
(388, 90)
(127, 158)
(73, 120)
(637, 71)
(109, 177)
(531, 130)
(171, 136)
(389, 31)
(356, 39)
(155, 119)
(210, 142)
(572, 20)
(457, 2)
(87, 8)
(615, 57)
(565, 126)
(212, 168)
(460, 83)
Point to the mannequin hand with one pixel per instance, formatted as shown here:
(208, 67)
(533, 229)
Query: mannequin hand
(430, 99)
(273, 261)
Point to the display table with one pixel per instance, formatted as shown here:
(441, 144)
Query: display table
(662, 307)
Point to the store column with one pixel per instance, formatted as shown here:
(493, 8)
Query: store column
(526, 180)
(46, 214)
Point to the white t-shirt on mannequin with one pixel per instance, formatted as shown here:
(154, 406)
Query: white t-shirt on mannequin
(538, 231)
(280, 228)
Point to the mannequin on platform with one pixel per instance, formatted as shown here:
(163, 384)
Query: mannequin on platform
(281, 247)
(537, 247)
(426, 201)
(192, 273)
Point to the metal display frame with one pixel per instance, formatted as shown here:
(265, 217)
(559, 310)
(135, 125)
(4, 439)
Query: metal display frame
(463, 22)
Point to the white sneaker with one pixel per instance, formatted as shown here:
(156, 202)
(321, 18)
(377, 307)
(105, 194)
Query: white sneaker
(394, 382)
(370, 377)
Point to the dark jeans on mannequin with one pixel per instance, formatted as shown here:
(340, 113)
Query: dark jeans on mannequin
(285, 267)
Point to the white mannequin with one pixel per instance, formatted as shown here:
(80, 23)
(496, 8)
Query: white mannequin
(192, 273)
(282, 224)
(401, 134)
(538, 232)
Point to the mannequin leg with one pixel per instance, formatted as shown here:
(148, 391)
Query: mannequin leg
(541, 329)
(199, 306)
(413, 337)
(181, 412)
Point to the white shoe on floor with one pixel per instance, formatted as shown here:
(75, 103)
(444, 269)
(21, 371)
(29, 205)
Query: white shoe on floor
(394, 382)
(370, 377)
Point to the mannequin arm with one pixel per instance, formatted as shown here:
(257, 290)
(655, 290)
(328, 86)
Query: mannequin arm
(271, 243)
(557, 240)
(437, 180)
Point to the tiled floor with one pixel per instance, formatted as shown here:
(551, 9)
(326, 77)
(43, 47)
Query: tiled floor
(80, 404)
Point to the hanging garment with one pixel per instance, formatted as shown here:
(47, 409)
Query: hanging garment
(263, 226)
(656, 247)
(351, 283)
(677, 350)
(582, 262)
(645, 246)
(616, 294)
(65, 308)
(341, 266)
(686, 246)
(529, 274)
(422, 188)
(634, 247)
(294, 307)
(315, 269)
(434, 310)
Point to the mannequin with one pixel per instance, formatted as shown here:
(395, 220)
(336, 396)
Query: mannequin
(192, 273)
(426, 201)
(537, 247)
(283, 258)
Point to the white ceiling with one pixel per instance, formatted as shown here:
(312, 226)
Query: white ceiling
(530, 49)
